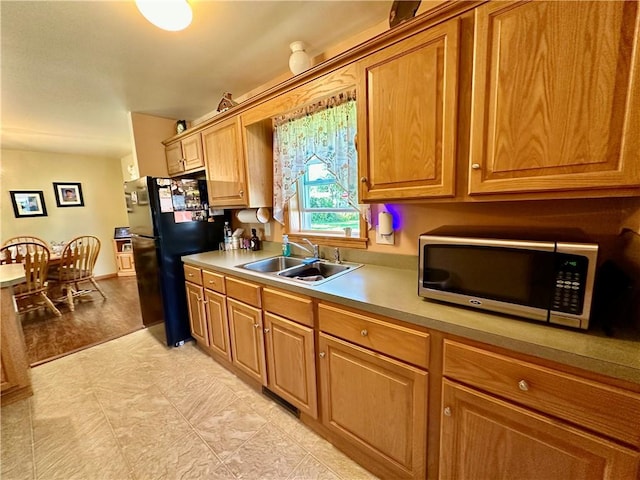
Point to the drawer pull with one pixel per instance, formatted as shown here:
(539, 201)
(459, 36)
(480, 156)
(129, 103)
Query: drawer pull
(523, 385)
(212, 282)
(364, 332)
(447, 411)
(190, 274)
(321, 354)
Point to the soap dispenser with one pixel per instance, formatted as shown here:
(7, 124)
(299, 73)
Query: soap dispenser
(286, 248)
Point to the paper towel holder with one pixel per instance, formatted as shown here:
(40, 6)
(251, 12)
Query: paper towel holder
(384, 229)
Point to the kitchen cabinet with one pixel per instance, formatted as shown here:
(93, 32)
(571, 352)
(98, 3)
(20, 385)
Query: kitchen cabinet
(197, 314)
(124, 257)
(375, 402)
(216, 311)
(507, 418)
(289, 338)
(556, 98)
(407, 117)
(485, 437)
(239, 163)
(246, 328)
(185, 155)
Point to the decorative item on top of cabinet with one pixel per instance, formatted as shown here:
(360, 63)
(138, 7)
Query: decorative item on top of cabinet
(185, 155)
(407, 117)
(239, 163)
(533, 412)
(556, 97)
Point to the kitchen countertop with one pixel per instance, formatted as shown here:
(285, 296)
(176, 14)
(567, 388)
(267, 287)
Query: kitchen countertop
(393, 292)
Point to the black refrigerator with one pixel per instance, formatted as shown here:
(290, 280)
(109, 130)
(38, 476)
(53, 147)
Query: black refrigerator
(168, 218)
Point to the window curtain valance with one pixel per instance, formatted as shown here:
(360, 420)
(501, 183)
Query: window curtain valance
(323, 131)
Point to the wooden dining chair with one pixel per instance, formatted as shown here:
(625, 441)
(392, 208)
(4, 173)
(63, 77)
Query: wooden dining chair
(75, 266)
(26, 238)
(32, 293)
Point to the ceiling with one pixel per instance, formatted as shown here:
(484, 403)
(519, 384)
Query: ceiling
(72, 70)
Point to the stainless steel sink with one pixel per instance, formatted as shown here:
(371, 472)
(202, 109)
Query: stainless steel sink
(300, 270)
(273, 264)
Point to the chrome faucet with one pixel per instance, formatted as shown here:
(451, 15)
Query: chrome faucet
(336, 255)
(314, 251)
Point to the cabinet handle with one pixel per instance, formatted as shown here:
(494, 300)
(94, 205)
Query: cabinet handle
(523, 385)
(364, 332)
(256, 325)
(266, 330)
(212, 282)
(322, 354)
(363, 179)
(475, 166)
(447, 411)
(189, 274)
(241, 192)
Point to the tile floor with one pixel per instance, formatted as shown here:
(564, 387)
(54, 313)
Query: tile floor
(132, 409)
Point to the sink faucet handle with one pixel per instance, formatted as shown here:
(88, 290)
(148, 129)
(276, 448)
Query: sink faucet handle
(336, 255)
(314, 246)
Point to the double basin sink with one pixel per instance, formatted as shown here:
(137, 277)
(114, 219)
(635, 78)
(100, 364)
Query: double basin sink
(309, 271)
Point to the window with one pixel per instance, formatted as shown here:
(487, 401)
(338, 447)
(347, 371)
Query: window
(316, 168)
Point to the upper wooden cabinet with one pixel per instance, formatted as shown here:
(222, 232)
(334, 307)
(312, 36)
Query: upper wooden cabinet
(239, 163)
(556, 97)
(185, 155)
(407, 117)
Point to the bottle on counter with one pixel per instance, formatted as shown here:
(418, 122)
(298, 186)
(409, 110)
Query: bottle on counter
(286, 248)
(227, 236)
(254, 241)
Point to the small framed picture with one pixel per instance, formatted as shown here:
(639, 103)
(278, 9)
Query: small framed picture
(127, 247)
(28, 203)
(68, 194)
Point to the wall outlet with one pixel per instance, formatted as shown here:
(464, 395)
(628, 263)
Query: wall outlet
(384, 239)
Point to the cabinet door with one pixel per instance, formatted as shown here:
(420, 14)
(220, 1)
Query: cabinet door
(377, 403)
(407, 117)
(175, 160)
(291, 362)
(218, 326)
(247, 339)
(483, 437)
(555, 97)
(192, 152)
(226, 172)
(197, 314)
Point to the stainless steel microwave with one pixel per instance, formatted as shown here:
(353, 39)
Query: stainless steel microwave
(548, 281)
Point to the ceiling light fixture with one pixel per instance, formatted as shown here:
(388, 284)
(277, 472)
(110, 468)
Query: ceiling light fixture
(171, 15)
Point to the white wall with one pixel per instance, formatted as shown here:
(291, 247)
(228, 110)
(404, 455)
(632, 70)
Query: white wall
(102, 189)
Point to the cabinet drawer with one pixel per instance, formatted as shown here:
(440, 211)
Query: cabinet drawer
(192, 274)
(213, 281)
(244, 291)
(602, 408)
(288, 305)
(400, 342)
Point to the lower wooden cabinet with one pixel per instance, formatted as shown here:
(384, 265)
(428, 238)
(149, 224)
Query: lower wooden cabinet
(197, 313)
(291, 362)
(217, 323)
(485, 437)
(377, 403)
(247, 339)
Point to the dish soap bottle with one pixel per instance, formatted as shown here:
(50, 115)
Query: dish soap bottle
(254, 241)
(227, 236)
(286, 248)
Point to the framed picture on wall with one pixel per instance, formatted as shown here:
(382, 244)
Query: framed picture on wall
(68, 194)
(28, 203)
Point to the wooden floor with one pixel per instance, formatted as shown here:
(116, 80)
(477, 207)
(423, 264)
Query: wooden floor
(94, 321)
